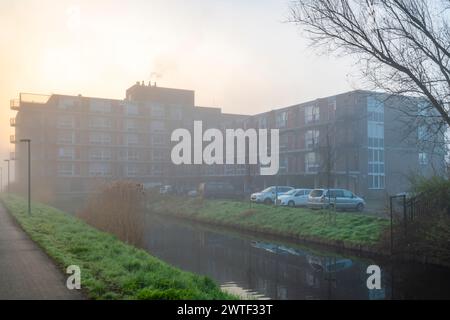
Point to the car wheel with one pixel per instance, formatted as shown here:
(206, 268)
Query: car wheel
(268, 201)
(291, 204)
(360, 207)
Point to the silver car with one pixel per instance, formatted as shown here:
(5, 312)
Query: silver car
(335, 198)
(269, 195)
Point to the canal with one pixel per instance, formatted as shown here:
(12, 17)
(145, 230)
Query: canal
(264, 268)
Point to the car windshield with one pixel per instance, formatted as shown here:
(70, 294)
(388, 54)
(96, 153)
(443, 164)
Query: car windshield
(316, 193)
(290, 193)
(267, 190)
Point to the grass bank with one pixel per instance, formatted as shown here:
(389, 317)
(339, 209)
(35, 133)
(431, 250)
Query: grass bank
(347, 230)
(110, 269)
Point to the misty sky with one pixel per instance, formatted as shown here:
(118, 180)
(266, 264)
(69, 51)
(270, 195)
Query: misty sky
(238, 55)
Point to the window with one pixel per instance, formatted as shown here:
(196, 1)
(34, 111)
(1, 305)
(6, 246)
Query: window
(312, 114)
(66, 153)
(283, 164)
(65, 122)
(131, 139)
(159, 155)
(348, 194)
(130, 125)
(100, 106)
(312, 139)
(422, 133)
(100, 169)
(332, 108)
(99, 123)
(284, 140)
(158, 139)
(132, 170)
(311, 162)
(158, 126)
(375, 134)
(281, 120)
(66, 137)
(157, 111)
(67, 103)
(131, 109)
(376, 182)
(157, 169)
(66, 169)
(176, 114)
(262, 123)
(99, 138)
(132, 155)
(423, 159)
(335, 194)
(424, 109)
(100, 154)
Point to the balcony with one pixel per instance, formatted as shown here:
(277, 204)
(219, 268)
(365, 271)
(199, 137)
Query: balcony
(14, 104)
(12, 139)
(12, 122)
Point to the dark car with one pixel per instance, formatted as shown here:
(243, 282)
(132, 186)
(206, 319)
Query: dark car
(218, 190)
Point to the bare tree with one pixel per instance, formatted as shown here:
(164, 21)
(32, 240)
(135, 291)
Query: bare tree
(402, 46)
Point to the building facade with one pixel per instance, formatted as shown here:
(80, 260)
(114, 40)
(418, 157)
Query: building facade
(357, 140)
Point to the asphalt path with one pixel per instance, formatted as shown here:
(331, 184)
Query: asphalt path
(26, 272)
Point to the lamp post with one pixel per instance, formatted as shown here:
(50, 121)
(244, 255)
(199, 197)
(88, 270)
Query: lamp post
(1, 179)
(28, 141)
(7, 160)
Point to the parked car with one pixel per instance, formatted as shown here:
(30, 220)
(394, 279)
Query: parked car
(192, 193)
(294, 198)
(335, 198)
(269, 195)
(166, 190)
(218, 190)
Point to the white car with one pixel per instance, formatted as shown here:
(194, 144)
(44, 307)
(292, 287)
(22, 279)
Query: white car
(269, 195)
(295, 198)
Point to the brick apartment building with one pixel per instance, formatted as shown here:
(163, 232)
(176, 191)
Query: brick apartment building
(357, 140)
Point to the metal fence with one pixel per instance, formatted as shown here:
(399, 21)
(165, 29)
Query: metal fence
(405, 209)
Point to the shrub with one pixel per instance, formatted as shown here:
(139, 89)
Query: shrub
(118, 209)
(435, 190)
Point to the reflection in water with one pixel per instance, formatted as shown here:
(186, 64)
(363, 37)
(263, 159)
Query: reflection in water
(260, 269)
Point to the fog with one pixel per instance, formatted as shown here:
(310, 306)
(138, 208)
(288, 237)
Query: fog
(237, 55)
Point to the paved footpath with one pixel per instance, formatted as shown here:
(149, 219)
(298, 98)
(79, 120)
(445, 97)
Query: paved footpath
(26, 272)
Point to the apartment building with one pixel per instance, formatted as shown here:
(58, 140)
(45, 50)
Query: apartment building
(363, 141)
(358, 140)
(79, 143)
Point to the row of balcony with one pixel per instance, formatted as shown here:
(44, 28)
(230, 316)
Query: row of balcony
(14, 104)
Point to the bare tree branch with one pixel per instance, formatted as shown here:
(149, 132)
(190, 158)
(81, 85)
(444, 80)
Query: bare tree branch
(403, 46)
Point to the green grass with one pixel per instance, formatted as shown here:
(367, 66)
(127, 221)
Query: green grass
(351, 228)
(110, 269)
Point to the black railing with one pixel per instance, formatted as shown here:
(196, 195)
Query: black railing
(405, 209)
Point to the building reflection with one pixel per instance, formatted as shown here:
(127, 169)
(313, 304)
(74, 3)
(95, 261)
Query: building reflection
(271, 270)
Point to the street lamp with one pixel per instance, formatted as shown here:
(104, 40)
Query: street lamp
(7, 160)
(28, 141)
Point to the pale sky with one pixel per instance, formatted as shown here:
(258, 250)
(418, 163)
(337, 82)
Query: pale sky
(237, 55)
